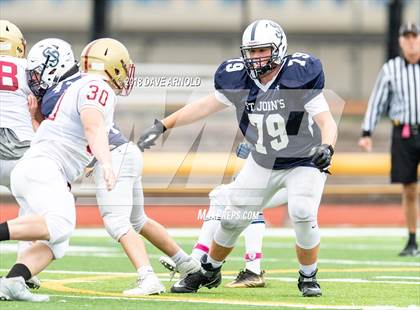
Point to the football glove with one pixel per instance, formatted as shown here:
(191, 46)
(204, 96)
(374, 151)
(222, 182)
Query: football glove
(321, 156)
(148, 138)
(243, 149)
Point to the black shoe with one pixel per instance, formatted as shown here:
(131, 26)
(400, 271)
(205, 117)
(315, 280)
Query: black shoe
(409, 250)
(308, 285)
(247, 278)
(208, 277)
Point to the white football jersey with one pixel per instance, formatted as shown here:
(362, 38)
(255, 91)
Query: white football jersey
(61, 137)
(14, 91)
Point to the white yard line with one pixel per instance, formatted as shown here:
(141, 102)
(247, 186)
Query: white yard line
(271, 232)
(111, 251)
(367, 262)
(240, 302)
(164, 277)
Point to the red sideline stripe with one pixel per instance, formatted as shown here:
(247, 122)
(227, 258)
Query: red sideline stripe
(186, 216)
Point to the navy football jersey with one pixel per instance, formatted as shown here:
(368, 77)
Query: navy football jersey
(272, 116)
(115, 137)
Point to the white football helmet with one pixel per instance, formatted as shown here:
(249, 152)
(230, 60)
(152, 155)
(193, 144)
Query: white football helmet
(263, 34)
(48, 61)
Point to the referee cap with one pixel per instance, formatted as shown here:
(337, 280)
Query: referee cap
(409, 27)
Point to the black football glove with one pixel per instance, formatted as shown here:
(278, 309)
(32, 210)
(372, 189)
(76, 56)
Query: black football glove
(150, 135)
(321, 156)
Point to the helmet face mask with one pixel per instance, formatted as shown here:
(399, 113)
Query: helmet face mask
(35, 82)
(129, 81)
(263, 34)
(122, 82)
(259, 66)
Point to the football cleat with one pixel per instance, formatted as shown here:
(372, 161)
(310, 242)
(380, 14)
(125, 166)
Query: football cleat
(16, 289)
(168, 263)
(207, 276)
(247, 278)
(187, 267)
(308, 285)
(147, 285)
(410, 250)
(33, 283)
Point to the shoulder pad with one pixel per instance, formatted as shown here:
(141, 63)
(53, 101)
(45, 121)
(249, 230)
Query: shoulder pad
(231, 74)
(300, 70)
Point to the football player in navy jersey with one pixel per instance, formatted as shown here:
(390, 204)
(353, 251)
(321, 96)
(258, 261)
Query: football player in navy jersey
(281, 110)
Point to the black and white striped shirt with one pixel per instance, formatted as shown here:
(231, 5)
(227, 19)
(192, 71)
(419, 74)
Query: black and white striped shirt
(396, 93)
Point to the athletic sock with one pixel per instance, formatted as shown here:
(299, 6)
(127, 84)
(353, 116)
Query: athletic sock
(214, 263)
(308, 270)
(412, 238)
(19, 270)
(253, 262)
(143, 271)
(254, 234)
(206, 236)
(180, 257)
(4, 231)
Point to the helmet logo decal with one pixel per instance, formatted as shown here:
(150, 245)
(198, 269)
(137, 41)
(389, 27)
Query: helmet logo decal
(278, 30)
(52, 56)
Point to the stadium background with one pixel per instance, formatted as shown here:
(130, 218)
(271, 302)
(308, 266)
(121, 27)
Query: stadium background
(182, 38)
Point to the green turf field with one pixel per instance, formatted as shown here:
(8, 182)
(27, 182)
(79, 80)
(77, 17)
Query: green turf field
(355, 273)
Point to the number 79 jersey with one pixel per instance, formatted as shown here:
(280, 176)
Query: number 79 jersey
(277, 117)
(61, 136)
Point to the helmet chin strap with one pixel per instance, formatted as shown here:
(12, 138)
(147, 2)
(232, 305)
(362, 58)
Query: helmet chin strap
(271, 68)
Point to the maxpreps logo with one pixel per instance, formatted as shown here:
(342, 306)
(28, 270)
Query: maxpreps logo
(52, 55)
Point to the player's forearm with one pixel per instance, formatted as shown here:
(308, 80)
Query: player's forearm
(36, 121)
(328, 127)
(96, 134)
(97, 138)
(193, 112)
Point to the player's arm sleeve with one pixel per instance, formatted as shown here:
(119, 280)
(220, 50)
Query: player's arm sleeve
(316, 105)
(221, 92)
(95, 95)
(378, 100)
(222, 98)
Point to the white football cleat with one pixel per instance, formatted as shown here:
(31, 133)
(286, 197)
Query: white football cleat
(16, 289)
(168, 263)
(149, 285)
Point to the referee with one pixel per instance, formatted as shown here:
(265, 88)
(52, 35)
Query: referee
(397, 93)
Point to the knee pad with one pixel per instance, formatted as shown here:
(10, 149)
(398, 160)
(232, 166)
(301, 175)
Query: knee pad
(60, 226)
(117, 225)
(233, 223)
(307, 234)
(58, 249)
(303, 209)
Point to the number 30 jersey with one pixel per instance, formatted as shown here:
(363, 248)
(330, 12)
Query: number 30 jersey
(14, 91)
(277, 118)
(61, 137)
